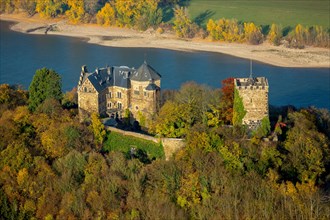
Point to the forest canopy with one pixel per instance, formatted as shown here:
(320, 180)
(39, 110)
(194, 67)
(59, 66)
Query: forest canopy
(54, 167)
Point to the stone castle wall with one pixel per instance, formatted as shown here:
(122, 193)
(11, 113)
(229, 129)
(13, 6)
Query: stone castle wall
(255, 101)
(87, 100)
(170, 145)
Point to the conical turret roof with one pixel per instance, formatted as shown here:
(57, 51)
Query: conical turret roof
(145, 73)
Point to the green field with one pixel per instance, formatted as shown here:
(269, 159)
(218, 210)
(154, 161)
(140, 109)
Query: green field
(118, 142)
(286, 13)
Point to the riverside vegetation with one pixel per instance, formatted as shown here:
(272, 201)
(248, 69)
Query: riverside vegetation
(167, 15)
(53, 167)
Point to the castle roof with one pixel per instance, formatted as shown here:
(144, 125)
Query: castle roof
(145, 73)
(152, 86)
(103, 78)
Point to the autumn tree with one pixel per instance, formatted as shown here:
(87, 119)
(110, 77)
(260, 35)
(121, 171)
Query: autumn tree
(106, 16)
(46, 83)
(49, 8)
(275, 34)
(76, 11)
(227, 100)
(252, 33)
(183, 26)
(307, 149)
(98, 129)
(225, 30)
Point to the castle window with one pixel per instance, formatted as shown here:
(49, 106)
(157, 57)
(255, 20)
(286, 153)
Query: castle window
(136, 92)
(109, 105)
(119, 105)
(145, 93)
(85, 89)
(119, 95)
(109, 95)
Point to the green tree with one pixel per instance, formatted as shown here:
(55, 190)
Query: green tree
(238, 109)
(46, 83)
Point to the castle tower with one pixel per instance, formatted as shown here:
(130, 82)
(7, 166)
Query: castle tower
(145, 93)
(253, 92)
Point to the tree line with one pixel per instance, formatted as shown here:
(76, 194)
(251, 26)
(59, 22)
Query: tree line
(143, 14)
(54, 167)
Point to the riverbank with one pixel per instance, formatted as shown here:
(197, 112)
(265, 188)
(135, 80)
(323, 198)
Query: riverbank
(121, 37)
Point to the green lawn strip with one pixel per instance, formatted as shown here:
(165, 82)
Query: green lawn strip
(285, 13)
(118, 142)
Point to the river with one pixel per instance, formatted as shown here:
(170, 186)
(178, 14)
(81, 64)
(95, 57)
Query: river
(21, 54)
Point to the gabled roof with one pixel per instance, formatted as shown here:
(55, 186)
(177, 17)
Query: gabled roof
(145, 73)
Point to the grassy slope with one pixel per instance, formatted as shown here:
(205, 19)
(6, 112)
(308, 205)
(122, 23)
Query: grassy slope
(119, 142)
(264, 12)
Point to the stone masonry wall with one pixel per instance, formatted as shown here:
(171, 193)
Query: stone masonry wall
(255, 101)
(170, 145)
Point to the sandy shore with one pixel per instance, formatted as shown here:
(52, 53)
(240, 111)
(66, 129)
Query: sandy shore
(120, 37)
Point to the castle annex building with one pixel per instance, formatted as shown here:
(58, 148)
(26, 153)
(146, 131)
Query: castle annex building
(254, 94)
(112, 90)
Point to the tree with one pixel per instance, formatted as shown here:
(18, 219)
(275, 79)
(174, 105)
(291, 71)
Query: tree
(106, 16)
(49, 8)
(307, 148)
(98, 129)
(76, 11)
(46, 83)
(252, 33)
(227, 100)
(183, 26)
(148, 14)
(275, 34)
(126, 9)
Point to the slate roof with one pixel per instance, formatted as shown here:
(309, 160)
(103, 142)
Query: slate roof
(103, 78)
(152, 86)
(145, 73)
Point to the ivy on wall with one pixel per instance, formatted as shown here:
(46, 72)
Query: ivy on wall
(238, 109)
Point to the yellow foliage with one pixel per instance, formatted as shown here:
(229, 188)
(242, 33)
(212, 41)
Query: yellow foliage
(252, 33)
(76, 11)
(29, 206)
(275, 34)
(22, 176)
(106, 16)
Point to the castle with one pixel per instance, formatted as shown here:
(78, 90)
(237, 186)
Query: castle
(254, 95)
(112, 90)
